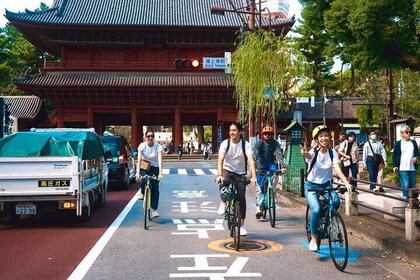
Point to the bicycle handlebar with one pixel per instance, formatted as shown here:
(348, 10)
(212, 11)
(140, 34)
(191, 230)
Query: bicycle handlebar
(147, 177)
(227, 182)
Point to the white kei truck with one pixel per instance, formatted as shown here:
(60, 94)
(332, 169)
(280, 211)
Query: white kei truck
(44, 171)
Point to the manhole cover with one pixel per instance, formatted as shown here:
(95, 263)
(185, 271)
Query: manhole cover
(247, 246)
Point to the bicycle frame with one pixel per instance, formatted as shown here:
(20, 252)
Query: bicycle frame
(269, 197)
(147, 198)
(337, 242)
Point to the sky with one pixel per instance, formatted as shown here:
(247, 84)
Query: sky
(21, 5)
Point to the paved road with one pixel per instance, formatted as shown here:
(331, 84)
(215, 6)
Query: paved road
(182, 242)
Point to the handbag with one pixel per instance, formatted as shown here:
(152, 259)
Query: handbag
(144, 165)
(346, 163)
(377, 158)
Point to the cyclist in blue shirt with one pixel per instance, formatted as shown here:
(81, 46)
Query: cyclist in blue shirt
(268, 157)
(321, 164)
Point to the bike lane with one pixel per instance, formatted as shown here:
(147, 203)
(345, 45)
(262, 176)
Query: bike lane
(52, 249)
(181, 243)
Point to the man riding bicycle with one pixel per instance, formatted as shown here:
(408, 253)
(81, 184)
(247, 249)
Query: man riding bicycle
(267, 154)
(320, 172)
(234, 154)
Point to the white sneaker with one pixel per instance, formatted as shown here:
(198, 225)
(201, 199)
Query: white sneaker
(155, 213)
(141, 196)
(243, 231)
(222, 208)
(259, 213)
(313, 247)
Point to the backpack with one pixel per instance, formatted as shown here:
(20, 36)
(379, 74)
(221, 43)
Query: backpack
(243, 151)
(314, 161)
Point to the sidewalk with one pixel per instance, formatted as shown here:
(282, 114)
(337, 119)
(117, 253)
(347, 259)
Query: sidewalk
(372, 226)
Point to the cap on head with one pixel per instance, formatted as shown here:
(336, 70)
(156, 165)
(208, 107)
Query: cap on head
(268, 129)
(319, 129)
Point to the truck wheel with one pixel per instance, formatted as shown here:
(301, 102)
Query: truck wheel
(86, 212)
(101, 198)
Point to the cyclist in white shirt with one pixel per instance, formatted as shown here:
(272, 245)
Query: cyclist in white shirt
(232, 164)
(320, 173)
(151, 152)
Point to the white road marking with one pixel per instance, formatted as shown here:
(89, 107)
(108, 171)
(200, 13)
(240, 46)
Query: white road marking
(199, 171)
(214, 171)
(90, 258)
(182, 171)
(165, 171)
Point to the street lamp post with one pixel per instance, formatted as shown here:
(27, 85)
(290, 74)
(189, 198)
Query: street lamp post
(251, 26)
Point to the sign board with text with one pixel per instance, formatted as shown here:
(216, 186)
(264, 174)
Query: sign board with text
(214, 63)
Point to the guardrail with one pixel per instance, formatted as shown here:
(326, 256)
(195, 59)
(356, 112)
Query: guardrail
(293, 181)
(411, 205)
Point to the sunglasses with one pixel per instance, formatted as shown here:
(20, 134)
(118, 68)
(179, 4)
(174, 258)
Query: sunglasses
(150, 136)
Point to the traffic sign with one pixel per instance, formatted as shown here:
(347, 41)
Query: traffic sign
(214, 62)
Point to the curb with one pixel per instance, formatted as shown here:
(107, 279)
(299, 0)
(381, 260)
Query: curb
(379, 236)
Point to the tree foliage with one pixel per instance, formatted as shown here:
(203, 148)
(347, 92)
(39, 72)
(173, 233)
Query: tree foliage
(314, 43)
(18, 57)
(265, 68)
(376, 34)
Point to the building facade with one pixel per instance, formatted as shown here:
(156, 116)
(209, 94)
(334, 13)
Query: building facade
(129, 62)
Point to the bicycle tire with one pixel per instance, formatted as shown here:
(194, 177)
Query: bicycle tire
(230, 219)
(237, 226)
(308, 227)
(146, 206)
(338, 242)
(272, 207)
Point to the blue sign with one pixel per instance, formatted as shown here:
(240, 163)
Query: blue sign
(214, 63)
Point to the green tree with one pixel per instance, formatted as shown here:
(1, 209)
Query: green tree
(265, 68)
(314, 43)
(376, 34)
(18, 57)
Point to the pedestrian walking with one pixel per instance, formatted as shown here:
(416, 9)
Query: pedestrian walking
(404, 160)
(348, 152)
(374, 158)
(180, 152)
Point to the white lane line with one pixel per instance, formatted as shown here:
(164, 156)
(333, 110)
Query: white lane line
(182, 171)
(90, 258)
(214, 171)
(199, 171)
(165, 171)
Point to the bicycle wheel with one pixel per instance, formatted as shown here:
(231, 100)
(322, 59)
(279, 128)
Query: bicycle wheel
(272, 207)
(146, 206)
(308, 226)
(149, 203)
(338, 241)
(237, 226)
(230, 218)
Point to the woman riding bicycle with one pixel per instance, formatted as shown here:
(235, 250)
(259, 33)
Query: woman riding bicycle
(320, 173)
(234, 153)
(267, 154)
(149, 162)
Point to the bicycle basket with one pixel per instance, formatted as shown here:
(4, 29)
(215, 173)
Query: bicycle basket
(226, 193)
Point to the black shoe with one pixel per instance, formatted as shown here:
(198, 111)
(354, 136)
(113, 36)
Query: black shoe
(381, 189)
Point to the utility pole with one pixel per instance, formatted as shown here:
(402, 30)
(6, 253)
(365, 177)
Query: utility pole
(389, 107)
(1, 116)
(251, 25)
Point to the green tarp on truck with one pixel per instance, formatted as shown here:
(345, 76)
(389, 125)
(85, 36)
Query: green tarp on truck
(84, 144)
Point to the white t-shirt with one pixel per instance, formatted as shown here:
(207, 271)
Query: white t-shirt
(234, 158)
(150, 153)
(322, 170)
(407, 154)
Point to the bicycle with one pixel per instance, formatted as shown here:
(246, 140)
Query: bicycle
(332, 227)
(269, 200)
(147, 198)
(233, 210)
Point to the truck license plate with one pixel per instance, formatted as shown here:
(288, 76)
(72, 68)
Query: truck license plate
(25, 209)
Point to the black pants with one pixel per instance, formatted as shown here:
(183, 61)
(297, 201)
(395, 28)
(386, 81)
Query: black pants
(154, 185)
(240, 186)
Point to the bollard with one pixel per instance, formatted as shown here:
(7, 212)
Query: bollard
(302, 182)
(412, 216)
(412, 232)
